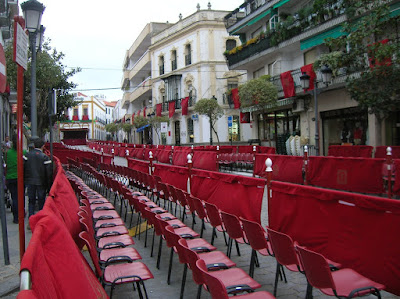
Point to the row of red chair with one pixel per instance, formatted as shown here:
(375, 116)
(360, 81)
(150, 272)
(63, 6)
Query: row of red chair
(236, 161)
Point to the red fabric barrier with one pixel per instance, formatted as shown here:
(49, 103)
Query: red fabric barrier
(205, 160)
(58, 268)
(74, 141)
(355, 230)
(239, 195)
(380, 152)
(163, 156)
(285, 168)
(266, 150)
(349, 174)
(139, 165)
(350, 151)
(396, 185)
(179, 157)
(173, 175)
(246, 149)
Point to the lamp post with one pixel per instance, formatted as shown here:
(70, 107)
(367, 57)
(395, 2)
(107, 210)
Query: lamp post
(33, 11)
(210, 116)
(305, 82)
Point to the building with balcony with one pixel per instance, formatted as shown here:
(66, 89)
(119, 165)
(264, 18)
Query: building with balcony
(86, 120)
(283, 38)
(137, 80)
(188, 65)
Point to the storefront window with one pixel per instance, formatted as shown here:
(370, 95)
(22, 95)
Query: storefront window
(234, 131)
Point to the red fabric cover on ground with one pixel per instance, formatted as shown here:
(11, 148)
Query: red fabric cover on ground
(235, 98)
(171, 109)
(350, 151)
(349, 174)
(309, 70)
(358, 231)
(185, 105)
(139, 165)
(205, 160)
(163, 156)
(288, 84)
(239, 195)
(58, 268)
(380, 152)
(179, 157)
(285, 168)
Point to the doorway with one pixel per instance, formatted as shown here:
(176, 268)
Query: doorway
(177, 133)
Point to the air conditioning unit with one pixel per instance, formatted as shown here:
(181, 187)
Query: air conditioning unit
(298, 105)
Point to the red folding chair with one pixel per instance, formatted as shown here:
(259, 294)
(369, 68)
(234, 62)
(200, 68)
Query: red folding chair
(201, 212)
(219, 290)
(117, 274)
(257, 238)
(214, 217)
(343, 283)
(233, 228)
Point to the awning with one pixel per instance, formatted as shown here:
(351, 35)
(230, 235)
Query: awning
(280, 3)
(142, 128)
(320, 38)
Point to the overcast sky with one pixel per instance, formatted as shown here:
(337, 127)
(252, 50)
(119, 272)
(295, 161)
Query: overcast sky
(95, 34)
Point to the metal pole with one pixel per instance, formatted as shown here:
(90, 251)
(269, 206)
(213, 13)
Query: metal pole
(51, 109)
(2, 202)
(32, 37)
(211, 139)
(316, 120)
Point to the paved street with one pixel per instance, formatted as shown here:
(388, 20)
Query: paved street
(158, 287)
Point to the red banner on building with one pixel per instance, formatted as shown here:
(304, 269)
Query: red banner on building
(185, 104)
(158, 109)
(144, 112)
(171, 109)
(309, 70)
(235, 98)
(288, 84)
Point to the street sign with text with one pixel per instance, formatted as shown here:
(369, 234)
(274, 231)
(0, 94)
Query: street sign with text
(20, 46)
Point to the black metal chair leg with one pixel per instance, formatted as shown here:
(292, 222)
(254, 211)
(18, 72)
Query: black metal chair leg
(278, 266)
(159, 253)
(199, 291)
(183, 281)
(252, 262)
(237, 248)
(171, 257)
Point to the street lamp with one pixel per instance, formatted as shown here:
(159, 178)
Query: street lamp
(305, 82)
(33, 11)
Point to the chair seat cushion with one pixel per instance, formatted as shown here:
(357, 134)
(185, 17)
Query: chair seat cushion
(109, 222)
(109, 231)
(199, 243)
(137, 269)
(105, 214)
(130, 252)
(122, 240)
(235, 276)
(347, 280)
(186, 232)
(217, 257)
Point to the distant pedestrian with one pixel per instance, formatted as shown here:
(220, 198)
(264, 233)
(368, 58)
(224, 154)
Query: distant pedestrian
(6, 144)
(11, 158)
(38, 175)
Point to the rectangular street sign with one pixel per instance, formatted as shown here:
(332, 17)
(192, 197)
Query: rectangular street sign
(230, 121)
(21, 47)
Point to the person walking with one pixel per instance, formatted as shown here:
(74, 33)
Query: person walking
(11, 158)
(38, 175)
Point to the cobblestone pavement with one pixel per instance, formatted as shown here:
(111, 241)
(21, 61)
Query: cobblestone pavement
(158, 287)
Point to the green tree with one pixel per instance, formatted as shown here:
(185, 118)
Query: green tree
(372, 63)
(156, 125)
(51, 73)
(127, 128)
(140, 121)
(259, 92)
(112, 128)
(213, 110)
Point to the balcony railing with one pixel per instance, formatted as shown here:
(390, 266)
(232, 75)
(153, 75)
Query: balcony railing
(178, 104)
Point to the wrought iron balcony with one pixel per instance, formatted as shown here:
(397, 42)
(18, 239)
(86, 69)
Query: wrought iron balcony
(178, 104)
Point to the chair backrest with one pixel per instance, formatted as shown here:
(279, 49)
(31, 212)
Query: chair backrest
(181, 251)
(232, 225)
(87, 224)
(213, 214)
(181, 197)
(198, 204)
(91, 245)
(172, 193)
(192, 257)
(256, 235)
(283, 247)
(215, 286)
(189, 200)
(162, 225)
(316, 268)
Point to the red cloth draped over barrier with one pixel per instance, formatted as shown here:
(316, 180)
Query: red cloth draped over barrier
(380, 152)
(246, 148)
(139, 165)
(288, 84)
(74, 141)
(163, 156)
(171, 109)
(65, 199)
(159, 110)
(358, 231)
(350, 174)
(58, 268)
(174, 175)
(146, 153)
(179, 157)
(309, 70)
(285, 168)
(364, 151)
(235, 98)
(396, 185)
(205, 160)
(266, 150)
(239, 195)
(185, 105)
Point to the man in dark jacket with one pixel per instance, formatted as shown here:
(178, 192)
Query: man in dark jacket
(37, 175)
